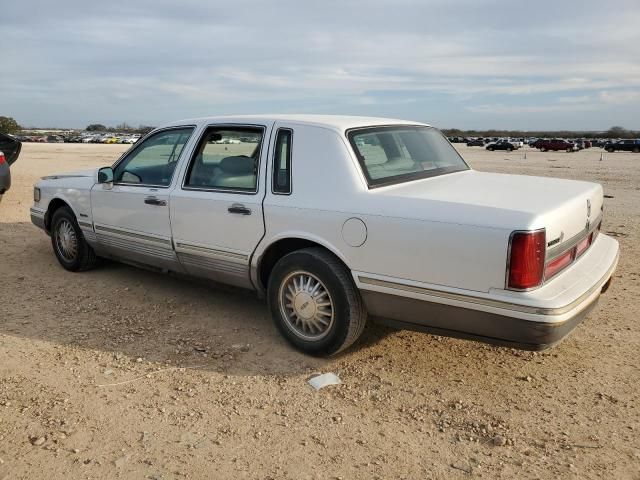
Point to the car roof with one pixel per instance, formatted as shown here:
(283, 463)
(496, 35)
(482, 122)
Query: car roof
(334, 122)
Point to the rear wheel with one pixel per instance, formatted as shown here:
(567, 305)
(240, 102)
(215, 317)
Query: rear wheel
(569, 150)
(71, 249)
(314, 302)
(491, 149)
(610, 150)
(636, 149)
(509, 149)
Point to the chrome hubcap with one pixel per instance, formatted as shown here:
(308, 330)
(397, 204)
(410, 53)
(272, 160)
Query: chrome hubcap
(66, 241)
(306, 305)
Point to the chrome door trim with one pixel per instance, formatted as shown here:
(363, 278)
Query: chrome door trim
(137, 236)
(182, 247)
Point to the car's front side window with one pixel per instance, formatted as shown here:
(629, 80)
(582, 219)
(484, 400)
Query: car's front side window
(401, 153)
(226, 158)
(154, 160)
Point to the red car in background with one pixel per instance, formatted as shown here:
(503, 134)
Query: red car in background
(555, 145)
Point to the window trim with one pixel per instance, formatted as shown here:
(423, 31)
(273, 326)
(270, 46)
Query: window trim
(138, 145)
(407, 177)
(187, 172)
(273, 167)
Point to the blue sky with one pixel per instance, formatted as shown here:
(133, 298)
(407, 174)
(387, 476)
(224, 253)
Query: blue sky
(467, 64)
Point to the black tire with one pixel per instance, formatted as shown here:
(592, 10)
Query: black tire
(509, 149)
(569, 150)
(610, 150)
(82, 257)
(349, 315)
(636, 149)
(491, 149)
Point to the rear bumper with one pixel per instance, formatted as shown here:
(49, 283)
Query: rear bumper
(449, 321)
(512, 324)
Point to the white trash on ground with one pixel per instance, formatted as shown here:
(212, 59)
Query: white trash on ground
(324, 380)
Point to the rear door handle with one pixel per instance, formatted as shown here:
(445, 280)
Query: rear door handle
(155, 201)
(239, 209)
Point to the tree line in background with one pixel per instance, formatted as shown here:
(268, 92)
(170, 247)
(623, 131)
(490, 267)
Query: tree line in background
(123, 127)
(9, 125)
(613, 132)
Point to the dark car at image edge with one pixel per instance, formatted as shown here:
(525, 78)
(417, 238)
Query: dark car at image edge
(623, 146)
(9, 152)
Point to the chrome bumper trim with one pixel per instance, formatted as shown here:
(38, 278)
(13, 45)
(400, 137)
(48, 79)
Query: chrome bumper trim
(494, 303)
(37, 218)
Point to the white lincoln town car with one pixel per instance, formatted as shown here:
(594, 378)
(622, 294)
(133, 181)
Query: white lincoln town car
(336, 220)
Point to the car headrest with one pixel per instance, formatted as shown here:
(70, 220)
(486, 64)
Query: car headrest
(237, 165)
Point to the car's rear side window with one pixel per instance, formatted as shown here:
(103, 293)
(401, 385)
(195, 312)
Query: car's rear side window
(227, 159)
(282, 162)
(400, 153)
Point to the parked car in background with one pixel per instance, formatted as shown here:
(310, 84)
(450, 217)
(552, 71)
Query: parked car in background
(557, 144)
(478, 142)
(410, 235)
(502, 145)
(623, 146)
(130, 139)
(9, 152)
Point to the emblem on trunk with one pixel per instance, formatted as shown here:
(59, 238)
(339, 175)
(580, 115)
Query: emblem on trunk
(588, 207)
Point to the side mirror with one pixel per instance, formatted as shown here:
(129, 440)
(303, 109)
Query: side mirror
(105, 175)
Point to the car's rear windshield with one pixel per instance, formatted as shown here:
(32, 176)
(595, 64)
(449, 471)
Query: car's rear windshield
(400, 153)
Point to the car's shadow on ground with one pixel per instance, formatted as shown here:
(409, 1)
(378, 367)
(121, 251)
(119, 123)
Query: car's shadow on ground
(137, 313)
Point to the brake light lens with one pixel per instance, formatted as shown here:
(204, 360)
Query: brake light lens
(583, 245)
(2, 159)
(526, 259)
(558, 264)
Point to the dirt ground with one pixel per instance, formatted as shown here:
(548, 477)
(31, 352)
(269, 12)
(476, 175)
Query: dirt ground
(124, 373)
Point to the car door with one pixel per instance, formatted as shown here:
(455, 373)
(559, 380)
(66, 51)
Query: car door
(216, 211)
(131, 215)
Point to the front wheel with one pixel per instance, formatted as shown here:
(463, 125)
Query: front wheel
(314, 302)
(569, 150)
(71, 249)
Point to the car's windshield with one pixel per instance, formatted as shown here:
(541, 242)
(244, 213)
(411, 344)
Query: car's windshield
(402, 153)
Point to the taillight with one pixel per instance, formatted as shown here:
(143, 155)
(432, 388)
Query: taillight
(558, 264)
(583, 245)
(526, 259)
(2, 159)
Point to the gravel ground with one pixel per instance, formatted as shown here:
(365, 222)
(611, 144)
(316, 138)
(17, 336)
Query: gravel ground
(124, 373)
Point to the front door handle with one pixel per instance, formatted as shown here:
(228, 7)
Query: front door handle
(155, 201)
(239, 209)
